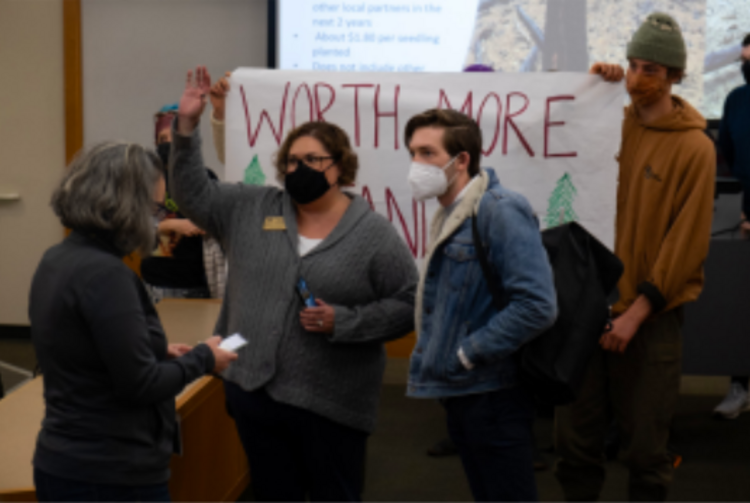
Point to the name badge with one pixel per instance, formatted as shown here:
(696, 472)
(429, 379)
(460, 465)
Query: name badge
(274, 224)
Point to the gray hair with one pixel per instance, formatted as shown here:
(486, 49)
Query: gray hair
(110, 188)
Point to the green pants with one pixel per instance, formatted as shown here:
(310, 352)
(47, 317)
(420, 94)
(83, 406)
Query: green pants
(639, 388)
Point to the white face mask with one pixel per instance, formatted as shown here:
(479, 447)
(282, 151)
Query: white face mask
(428, 181)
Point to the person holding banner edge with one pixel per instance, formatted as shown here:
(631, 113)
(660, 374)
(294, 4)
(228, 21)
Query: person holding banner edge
(218, 95)
(463, 355)
(305, 391)
(664, 214)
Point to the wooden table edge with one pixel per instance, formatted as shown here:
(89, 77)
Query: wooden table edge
(20, 494)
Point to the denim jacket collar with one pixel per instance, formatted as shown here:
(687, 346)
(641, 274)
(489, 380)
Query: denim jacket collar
(440, 230)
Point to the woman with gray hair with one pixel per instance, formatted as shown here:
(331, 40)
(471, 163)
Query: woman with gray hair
(110, 378)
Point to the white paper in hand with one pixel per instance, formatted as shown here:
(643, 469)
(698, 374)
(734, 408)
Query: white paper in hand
(233, 343)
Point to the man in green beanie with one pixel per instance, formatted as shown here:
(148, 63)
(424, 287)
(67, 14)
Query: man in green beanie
(663, 225)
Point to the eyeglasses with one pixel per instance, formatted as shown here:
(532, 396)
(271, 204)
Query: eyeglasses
(310, 160)
(159, 211)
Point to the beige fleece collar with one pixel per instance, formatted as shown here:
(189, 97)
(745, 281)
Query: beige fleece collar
(440, 231)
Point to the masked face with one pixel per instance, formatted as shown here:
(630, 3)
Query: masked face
(645, 90)
(305, 184)
(428, 181)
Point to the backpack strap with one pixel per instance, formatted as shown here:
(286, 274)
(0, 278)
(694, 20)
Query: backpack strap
(487, 271)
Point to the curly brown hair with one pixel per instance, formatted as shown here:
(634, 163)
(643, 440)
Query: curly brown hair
(334, 140)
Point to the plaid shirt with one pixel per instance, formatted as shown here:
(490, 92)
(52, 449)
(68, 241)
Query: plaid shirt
(215, 264)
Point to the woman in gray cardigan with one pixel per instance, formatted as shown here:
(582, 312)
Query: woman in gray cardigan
(304, 392)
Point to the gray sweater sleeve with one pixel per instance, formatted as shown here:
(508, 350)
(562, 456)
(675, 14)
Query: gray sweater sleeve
(393, 276)
(209, 204)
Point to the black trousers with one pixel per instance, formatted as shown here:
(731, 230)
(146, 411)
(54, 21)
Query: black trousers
(295, 454)
(52, 488)
(640, 388)
(741, 380)
(493, 434)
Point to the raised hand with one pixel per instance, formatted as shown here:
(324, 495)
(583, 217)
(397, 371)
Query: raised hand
(609, 72)
(219, 95)
(193, 100)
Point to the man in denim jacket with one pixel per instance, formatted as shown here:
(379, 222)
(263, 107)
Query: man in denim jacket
(464, 353)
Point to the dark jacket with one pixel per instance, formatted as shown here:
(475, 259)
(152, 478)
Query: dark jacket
(109, 390)
(181, 266)
(734, 139)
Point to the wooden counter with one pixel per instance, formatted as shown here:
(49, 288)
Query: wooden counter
(21, 415)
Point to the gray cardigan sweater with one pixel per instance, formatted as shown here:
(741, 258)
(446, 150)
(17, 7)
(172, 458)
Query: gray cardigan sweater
(363, 269)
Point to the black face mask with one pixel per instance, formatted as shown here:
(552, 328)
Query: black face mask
(746, 71)
(163, 150)
(306, 184)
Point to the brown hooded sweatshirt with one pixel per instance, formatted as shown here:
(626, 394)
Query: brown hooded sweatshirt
(664, 207)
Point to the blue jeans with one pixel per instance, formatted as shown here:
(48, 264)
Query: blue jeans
(493, 434)
(295, 454)
(51, 488)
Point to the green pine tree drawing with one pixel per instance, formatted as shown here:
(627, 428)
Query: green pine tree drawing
(560, 210)
(254, 173)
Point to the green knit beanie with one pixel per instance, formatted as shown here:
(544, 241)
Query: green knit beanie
(659, 40)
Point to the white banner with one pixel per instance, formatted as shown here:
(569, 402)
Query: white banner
(553, 137)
